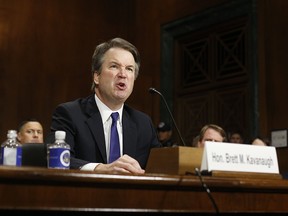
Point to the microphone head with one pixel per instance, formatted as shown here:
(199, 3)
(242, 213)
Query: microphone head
(152, 90)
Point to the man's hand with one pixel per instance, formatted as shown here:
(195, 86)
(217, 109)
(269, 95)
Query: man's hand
(123, 165)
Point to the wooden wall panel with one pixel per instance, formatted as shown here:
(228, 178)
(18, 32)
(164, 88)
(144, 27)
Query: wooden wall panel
(46, 53)
(273, 65)
(46, 48)
(148, 17)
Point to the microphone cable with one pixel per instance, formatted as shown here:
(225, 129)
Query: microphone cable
(207, 190)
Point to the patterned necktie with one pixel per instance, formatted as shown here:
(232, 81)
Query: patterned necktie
(114, 139)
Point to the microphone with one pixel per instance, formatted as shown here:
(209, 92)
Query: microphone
(207, 190)
(153, 91)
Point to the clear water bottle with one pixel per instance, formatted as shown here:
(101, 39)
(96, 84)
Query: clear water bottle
(58, 153)
(11, 150)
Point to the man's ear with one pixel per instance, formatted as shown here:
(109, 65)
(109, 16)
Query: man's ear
(96, 78)
(19, 137)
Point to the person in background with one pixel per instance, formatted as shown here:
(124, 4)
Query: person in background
(211, 132)
(87, 121)
(30, 131)
(164, 132)
(195, 141)
(260, 141)
(236, 137)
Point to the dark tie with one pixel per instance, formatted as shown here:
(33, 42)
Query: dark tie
(114, 139)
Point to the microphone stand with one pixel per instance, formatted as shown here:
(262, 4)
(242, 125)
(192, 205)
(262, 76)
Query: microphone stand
(153, 90)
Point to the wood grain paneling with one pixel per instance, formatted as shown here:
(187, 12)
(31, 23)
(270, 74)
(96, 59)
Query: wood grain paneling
(46, 48)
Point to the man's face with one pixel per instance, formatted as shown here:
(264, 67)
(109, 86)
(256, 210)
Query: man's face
(116, 79)
(236, 138)
(164, 135)
(31, 132)
(210, 135)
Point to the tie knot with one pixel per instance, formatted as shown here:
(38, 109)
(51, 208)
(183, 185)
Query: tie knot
(115, 116)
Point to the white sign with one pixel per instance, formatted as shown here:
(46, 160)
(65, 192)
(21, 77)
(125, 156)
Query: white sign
(239, 158)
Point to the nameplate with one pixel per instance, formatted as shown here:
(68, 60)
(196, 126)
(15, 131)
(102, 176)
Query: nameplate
(239, 158)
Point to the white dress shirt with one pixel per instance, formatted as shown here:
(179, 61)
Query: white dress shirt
(105, 113)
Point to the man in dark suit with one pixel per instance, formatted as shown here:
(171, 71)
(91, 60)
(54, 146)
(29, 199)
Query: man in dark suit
(165, 133)
(87, 121)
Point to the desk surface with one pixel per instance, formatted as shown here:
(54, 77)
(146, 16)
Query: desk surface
(40, 189)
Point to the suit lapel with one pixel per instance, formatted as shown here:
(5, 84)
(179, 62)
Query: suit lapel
(94, 123)
(129, 135)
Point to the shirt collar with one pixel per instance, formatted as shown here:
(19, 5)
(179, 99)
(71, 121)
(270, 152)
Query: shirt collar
(106, 111)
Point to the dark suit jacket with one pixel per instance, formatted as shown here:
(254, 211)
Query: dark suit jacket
(82, 122)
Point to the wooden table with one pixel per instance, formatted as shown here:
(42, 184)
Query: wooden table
(40, 190)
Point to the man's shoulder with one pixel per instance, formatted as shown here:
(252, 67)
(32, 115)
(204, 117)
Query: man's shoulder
(80, 105)
(132, 112)
(78, 101)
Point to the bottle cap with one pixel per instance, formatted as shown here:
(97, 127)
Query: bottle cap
(60, 135)
(12, 134)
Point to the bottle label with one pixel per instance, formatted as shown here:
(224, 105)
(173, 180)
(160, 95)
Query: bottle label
(59, 158)
(11, 156)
